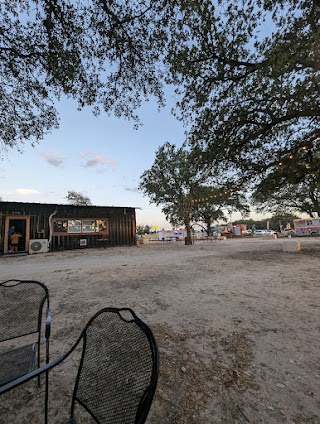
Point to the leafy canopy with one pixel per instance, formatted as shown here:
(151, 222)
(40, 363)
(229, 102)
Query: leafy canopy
(176, 182)
(104, 54)
(248, 76)
(78, 199)
(292, 184)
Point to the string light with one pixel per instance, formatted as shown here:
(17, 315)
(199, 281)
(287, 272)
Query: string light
(303, 148)
(214, 196)
(238, 187)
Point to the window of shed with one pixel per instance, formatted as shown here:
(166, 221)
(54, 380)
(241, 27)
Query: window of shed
(88, 226)
(101, 225)
(74, 226)
(60, 226)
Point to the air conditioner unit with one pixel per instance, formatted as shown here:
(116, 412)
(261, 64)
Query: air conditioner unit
(38, 246)
(83, 242)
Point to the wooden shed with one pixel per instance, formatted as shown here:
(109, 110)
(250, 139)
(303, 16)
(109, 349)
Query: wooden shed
(45, 227)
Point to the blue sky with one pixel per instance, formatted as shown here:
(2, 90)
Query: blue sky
(102, 157)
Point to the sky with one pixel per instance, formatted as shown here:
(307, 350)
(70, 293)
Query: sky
(101, 157)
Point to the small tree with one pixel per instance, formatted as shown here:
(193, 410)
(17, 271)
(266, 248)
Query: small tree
(143, 229)
(77, 199)
(187, 192)
(217, 203)
(173, 182)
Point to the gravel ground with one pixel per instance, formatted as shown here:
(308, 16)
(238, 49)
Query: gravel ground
(237, 323)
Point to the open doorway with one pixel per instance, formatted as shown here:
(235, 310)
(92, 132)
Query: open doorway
(22, 226)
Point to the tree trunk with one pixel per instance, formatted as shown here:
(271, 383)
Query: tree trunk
(188, 239)
(209, 228)
(315, 203)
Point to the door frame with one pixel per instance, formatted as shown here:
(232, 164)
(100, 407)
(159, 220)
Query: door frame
(6, 229)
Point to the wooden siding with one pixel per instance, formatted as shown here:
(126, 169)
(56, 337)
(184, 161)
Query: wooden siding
(121, 224)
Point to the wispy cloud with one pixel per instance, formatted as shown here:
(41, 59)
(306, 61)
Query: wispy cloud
(53, 158)
(20, 195)
(26, 191)
(133, 189)
(99, 162)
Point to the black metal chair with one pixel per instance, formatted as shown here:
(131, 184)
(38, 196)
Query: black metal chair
(21, 309)
(118, 369)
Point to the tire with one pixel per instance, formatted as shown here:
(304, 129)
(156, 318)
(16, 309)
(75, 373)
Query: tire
(313, 234)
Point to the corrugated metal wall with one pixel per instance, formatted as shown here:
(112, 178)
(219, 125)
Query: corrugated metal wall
(122, 223)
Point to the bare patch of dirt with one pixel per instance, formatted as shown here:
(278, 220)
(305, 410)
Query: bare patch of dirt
(236, 321)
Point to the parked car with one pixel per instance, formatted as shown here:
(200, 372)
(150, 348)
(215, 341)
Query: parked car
(259, 232)
(270, 232)
(288, 232)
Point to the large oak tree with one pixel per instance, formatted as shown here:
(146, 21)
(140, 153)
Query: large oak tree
(292, 184)
(248, 73)
(105, 54)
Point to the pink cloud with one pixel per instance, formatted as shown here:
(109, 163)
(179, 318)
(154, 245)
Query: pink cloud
(93, 160)
(53, 158)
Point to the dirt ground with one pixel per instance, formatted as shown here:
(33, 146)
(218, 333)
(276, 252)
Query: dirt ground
(237, 323)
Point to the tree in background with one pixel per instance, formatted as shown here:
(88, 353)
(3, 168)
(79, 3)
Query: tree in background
(218, 205)
(143, 229)
(209, 213)
(280, 221)
(293, 184)
(77, 199)
(172, 182)
(176, 182)
(277, 222)
(289, 198)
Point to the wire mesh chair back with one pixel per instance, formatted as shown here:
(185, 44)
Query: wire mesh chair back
(21, 308)
(119, 368)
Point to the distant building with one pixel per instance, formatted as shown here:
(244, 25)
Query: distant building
(56, 227)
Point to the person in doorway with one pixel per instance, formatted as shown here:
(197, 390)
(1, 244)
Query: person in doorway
(11, 231)
(14, 239)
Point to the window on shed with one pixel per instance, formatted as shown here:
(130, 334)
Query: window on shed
(60, 226)
(74, 226)
(88, 226)
(101, 225)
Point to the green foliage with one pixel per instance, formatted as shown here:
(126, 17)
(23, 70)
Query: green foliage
(77, 199)
(246, 75)
(252, 98)
(172, 182)
(280, 221)
(293, 184)
(277, 222)
(218, 205)
(106, 55)
(143, 229)
(177, 183)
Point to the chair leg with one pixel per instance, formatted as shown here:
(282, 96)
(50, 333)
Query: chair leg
(46, 398)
